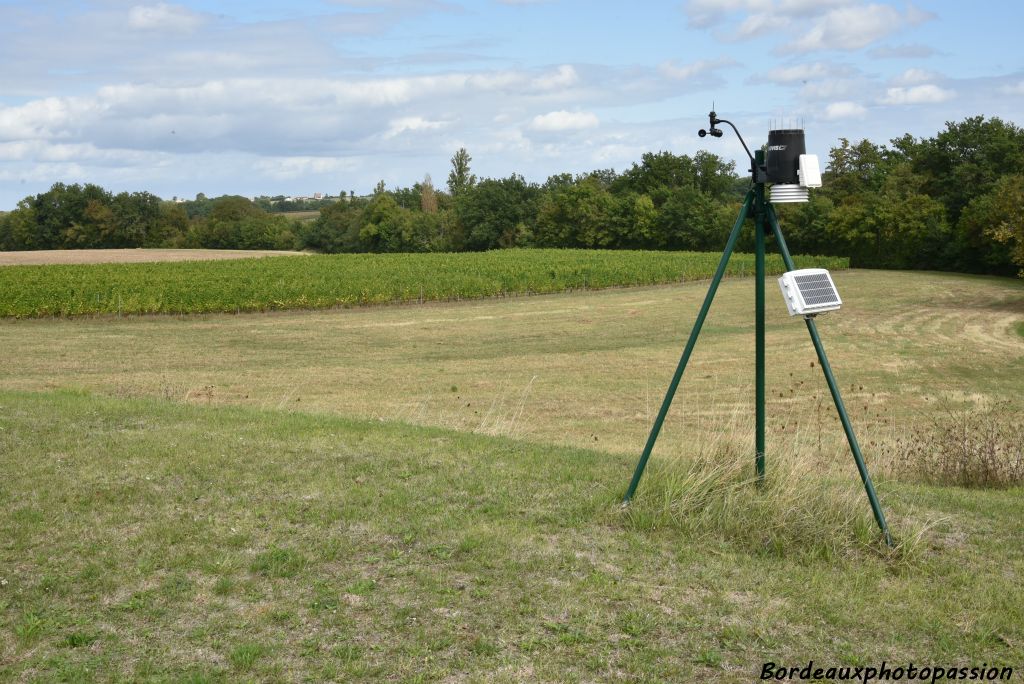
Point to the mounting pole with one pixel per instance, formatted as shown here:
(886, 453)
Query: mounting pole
(760, 210)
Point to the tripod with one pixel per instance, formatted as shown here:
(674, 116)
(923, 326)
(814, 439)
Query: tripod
(764, 219)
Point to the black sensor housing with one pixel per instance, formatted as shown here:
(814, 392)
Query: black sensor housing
(785, 145)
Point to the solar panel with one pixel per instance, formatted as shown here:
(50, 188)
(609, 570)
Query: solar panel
(809, 291)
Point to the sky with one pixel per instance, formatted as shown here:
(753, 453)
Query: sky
(254, 97)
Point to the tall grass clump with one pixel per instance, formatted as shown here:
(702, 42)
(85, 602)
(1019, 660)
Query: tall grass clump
(981, 448)
(710, 489)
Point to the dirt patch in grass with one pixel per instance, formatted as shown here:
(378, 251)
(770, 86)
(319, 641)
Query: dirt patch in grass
(128, 256)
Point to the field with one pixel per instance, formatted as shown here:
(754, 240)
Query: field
(127, 256)
(430, 492)
(302, 215)
(317, 282)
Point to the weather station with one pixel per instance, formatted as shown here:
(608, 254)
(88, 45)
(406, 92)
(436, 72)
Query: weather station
(782, 173)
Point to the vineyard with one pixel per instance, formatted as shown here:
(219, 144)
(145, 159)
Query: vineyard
(314, 282)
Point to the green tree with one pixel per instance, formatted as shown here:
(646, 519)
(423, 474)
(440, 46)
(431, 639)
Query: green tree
(94, 227)
(136, 220)
(173, 226)
(993, 222)
(910, 226)
(200, 207)
(634, 220)
(18, 229)
(808, 226)
(577, 215)
(689, 220)
(60, 216)
(460, 178)
(336, 229)
(657, 175)
(237, 223)
(230, 208)
(408, 198)
(715, 176)
(388, 227)
(854, 170)
(966, 160)
(495, 213)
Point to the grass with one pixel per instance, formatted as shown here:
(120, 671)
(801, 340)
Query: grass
(584, 369)
(344, 280)
(150, 540)
(800, 509)
(424, 493)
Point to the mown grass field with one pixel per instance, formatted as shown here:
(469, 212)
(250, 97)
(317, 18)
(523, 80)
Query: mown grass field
(430, 493)
(324, 281)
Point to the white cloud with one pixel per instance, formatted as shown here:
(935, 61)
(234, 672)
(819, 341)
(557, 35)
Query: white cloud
(683, 72)
(912, 77)
(798, 72)
(412, 123)
(855, 27)
(920, 94)
(844, 110)
(163, 17)
(808, 8)
(563, 77)
(761, 23)
(704, 13)
(300, 117)
(832, 89)
(564, 121)
(48, 118)
(902, 52)
(1013, 88)
(284, 168)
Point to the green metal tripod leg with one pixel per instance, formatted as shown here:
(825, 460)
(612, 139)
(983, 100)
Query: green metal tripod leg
(876, 507)
(759, 391)
(674, 385)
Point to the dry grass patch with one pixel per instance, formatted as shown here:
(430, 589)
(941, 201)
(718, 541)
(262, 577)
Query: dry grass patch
(980, 447)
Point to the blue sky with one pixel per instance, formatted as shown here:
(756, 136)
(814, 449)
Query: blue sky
(310, 96)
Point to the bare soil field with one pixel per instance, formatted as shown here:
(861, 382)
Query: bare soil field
(127, 256)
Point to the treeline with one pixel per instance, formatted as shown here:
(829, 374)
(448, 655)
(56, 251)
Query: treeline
(949, 202)
(87, 216)
(666, 201)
